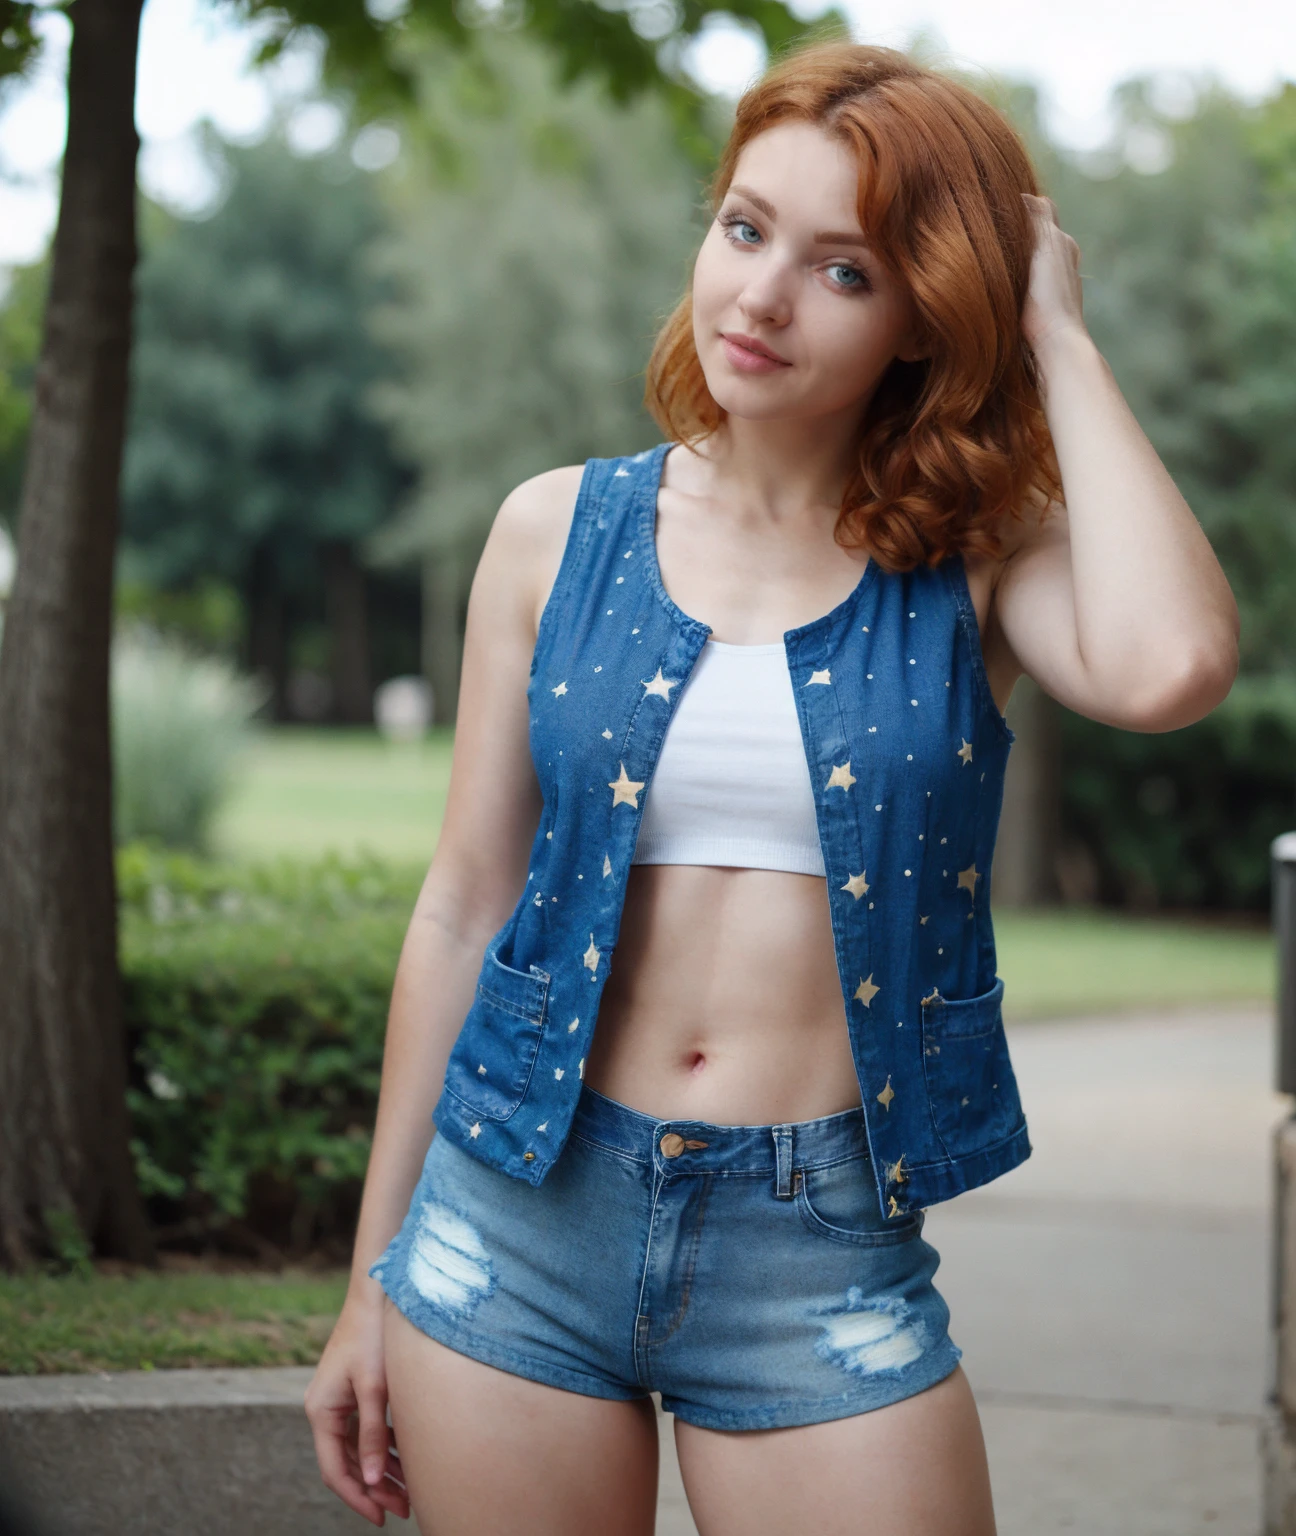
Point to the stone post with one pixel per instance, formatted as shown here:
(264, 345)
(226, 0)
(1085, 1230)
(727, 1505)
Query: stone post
(1278, 1432)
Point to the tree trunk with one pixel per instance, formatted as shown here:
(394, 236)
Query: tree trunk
(442, 636)
(65, 1165)
(344, 603)
(267, 633)
(1025, 861)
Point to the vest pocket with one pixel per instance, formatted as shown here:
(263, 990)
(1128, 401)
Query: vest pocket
(493, 1058)
(970, 1080)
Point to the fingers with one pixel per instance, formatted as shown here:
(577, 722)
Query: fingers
(329, 1423)
(1043, 207)
(375, 1438)
(390, 1491)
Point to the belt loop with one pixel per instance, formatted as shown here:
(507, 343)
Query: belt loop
(783, 1162)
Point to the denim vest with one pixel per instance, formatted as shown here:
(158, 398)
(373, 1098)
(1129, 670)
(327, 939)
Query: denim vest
(906, 750)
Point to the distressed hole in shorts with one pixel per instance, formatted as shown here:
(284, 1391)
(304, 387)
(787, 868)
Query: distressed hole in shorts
(448, 1263)
(869, 1336)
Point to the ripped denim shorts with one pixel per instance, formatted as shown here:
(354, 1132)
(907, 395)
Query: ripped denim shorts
(744, 1272)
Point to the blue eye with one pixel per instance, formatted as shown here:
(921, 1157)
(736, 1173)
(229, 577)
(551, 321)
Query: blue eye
(844, 266)
(734, 220)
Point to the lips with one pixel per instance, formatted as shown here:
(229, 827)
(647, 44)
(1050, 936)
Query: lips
(751, 344)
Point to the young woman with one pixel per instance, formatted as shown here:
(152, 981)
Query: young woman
(732, 707)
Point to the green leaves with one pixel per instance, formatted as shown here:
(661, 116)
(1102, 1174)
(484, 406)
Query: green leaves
(20, 43)
(256, 1005)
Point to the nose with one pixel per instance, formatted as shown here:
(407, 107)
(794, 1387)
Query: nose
(766, 296)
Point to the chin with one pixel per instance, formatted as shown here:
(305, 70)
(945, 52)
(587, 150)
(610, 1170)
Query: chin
(744, 399)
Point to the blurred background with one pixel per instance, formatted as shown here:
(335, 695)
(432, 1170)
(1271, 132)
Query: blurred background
(360, 320)
(355, 333)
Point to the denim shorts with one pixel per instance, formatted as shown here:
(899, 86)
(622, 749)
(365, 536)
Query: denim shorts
(744, 1272)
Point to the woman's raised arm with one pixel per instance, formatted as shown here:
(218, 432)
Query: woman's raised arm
(1116, 604)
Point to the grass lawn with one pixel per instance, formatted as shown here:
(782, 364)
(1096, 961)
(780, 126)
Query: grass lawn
(303, 791)
(115, 1322)
(1077, 961)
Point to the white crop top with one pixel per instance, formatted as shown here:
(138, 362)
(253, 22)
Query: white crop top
(731, 785)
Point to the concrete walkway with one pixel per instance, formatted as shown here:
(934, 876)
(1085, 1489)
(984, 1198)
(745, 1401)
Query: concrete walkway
(1111, 1295)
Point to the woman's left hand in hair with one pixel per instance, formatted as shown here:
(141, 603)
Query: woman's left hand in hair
(1055, 297)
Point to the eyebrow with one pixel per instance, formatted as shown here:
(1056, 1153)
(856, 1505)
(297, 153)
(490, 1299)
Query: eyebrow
(822, 236)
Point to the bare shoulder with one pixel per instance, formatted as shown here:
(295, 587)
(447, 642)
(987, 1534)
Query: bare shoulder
(529, 535)
(527, 538)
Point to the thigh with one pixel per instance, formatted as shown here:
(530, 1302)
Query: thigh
(913, 1468)
(489, 1453)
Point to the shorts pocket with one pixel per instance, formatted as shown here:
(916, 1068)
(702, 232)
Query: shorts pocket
(970, 1080)
(492, 1060)
(841, 1202)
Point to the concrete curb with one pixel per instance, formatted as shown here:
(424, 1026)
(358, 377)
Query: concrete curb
(166, 1453)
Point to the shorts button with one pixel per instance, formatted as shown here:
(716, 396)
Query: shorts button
(671, 1144)
(528, 1157)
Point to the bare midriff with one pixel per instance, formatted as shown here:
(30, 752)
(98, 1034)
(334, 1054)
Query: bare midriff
(723, 1002)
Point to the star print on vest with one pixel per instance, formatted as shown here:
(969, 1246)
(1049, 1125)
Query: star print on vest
(867, 991)
(590, 958)
(888, 1093)
(857, 885)
(625, 791)
(559, 690)
(820, 677)
(965, 751)
(660, 685)
(841, 777)
(967, 879)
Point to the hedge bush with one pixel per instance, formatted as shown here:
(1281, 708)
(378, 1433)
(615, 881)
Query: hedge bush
(256, 1004)
(1185, 818)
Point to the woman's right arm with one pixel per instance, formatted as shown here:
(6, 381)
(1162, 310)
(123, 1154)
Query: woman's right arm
(473, 883)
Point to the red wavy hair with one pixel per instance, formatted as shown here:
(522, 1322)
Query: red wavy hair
(950, 445)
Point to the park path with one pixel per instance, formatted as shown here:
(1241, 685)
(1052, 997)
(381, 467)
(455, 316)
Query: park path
(1111, 1294)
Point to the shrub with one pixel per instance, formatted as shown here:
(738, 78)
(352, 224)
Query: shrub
(1185, 818)
(179, 720)
(256, 1003)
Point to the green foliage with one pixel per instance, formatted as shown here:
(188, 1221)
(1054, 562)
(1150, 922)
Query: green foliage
(256, 1003)
(252, 361)
(1185, 818)
(627, 48)
(179, 720)
(71, 1248)
(19, 40)
(207, 615)
(529, 286)
(21, 314)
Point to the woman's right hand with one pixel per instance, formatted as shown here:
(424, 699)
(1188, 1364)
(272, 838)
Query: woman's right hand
(346, 1403)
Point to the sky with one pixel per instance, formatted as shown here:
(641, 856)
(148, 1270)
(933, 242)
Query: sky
(195, 63)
